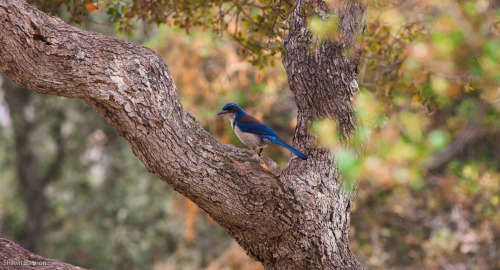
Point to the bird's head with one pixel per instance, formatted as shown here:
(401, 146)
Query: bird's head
(232, 109)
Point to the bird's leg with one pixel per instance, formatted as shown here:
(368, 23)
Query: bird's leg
(260, 151)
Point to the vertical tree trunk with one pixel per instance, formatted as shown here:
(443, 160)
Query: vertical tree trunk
(27, 169)
(322, 76)
(34, 172)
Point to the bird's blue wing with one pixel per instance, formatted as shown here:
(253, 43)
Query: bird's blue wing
(249, 124)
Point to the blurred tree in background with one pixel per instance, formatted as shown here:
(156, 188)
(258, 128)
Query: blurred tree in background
(429, 193)
(430, 185)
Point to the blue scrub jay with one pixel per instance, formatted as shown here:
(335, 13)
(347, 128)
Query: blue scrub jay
(252, 132)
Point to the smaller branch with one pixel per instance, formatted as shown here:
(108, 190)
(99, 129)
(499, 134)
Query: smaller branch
(236, 22)
(13, 256)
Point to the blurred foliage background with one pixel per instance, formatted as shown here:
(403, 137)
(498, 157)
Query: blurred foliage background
(428, 172)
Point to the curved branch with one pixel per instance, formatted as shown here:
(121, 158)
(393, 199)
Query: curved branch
(473, 131)
(295, 219)
(130, 86)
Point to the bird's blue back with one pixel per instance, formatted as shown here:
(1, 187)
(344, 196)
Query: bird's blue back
(247, 123)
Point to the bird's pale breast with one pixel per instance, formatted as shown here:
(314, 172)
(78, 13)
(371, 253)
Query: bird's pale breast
(251, 140)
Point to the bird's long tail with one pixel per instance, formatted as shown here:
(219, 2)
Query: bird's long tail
(287, 146)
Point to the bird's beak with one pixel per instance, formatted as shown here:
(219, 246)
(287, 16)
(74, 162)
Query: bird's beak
(222, 112)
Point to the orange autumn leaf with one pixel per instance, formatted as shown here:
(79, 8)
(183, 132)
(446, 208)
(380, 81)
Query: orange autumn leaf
(91, 7)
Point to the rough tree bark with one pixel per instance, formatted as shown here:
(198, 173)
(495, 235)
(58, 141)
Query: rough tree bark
(297, 218)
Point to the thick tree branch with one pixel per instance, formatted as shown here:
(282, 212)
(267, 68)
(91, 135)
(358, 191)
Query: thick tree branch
(131, 87)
